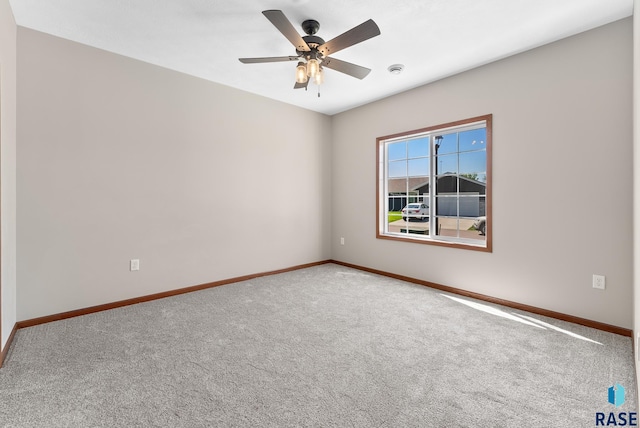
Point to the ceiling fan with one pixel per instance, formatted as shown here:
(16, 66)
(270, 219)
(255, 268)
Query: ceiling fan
(312, 52)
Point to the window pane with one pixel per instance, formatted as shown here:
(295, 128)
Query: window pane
(397, 186)
(469, 205)
(396, 203)
(475, 139)
(408, 214)
(398, 168)
(459, 228)
(447, 164)
(482, 203)
(415, 227)
(397, 150)
(419, 167)
(446, 205)
(473, 163)
(447, 226)
(419, 147)
(447, 185)
(448, 144)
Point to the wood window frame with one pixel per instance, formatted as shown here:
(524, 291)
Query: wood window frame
(382, 195)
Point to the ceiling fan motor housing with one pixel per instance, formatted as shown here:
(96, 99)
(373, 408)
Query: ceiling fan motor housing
(313, 42)
(310, 26)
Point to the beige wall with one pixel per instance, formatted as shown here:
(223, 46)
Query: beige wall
(562, 177)
(119, 159)
(7, 170)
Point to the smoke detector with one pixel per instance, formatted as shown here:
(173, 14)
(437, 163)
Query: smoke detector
(395, 68)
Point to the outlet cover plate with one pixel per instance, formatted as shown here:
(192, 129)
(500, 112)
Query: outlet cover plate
(599, 282)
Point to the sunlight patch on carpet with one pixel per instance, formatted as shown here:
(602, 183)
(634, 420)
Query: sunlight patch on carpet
(524, 319)
(493, 311)
(561, 330)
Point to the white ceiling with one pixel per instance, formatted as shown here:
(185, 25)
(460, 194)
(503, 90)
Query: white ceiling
(205, 38)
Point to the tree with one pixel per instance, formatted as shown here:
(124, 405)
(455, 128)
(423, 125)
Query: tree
(471, 176)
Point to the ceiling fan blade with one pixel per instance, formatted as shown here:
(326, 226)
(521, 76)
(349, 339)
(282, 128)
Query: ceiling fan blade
(281, 22)
(268, 59)
(346, 67)
(358, 34)
(301, 85)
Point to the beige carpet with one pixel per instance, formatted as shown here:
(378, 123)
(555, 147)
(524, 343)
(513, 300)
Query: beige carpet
(324, 346)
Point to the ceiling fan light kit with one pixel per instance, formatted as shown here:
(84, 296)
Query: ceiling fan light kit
(301, 73)
(313, 66)
(313, 52)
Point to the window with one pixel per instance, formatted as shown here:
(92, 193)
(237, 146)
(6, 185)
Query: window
(434, 185)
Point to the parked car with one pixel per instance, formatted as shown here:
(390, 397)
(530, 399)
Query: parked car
(480, 224)
(416, 210)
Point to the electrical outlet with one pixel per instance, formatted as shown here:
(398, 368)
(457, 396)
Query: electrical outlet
(341, 241)
(599, 282)
(134, 264)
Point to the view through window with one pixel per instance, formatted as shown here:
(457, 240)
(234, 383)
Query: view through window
(434, 184)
